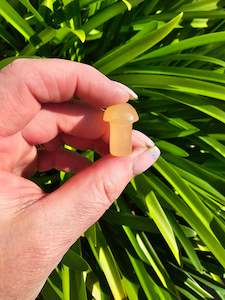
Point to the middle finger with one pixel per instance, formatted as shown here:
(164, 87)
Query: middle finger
(78, 120)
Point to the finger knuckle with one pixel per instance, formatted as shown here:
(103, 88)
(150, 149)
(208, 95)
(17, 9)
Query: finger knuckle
(107, 190)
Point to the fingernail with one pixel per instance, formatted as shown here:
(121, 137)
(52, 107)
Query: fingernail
(132, 94)
(140, 139)
(145, 160)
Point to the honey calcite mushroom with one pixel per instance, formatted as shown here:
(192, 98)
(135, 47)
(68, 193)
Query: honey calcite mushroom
(121, 118)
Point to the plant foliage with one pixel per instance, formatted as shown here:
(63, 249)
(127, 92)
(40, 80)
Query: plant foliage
(164, 238)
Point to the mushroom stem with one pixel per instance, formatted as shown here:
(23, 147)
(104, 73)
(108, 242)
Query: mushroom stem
(121, 118)
(120, 138)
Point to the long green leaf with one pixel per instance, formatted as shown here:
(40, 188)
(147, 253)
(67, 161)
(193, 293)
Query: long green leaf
(202, 104)
(7, 37)
(156, 212)
(188, 247)
(204, 185)
(48, 292)
(164, 82)
(171, 148)
(44, 37)
(95, 288)
(196, 41)
(31, 8)
(214, 14)
(135, 47)
(154, 259)
(186, 193)
(77, 278)
(206, 234)
(106, 260)
(192, 57)
(152, 291)
(178, 71)
(75, 261)
(219, 147)
(135, 222)
(107, 14)
(199, 171)
(145, 251)
(12, 16)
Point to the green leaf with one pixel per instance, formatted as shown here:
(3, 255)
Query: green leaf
(66, 282)
(6, 36)
(177, 71)
(12, 17)
(186, 293)
(185, 192)
(196, 41)
(74, 261)
(44, 36)
(164, 129)
(134, 222)
(193, 57)
(55, 288)
(199, 15)
(48, 292)
(198, 289)
(152, 291)
(106, 261)
(208, 281)
(133, 48)
(206, 234)
(107, 14)
(157, 214)
(216, 145)
(197, 102)
(149, 6)
(199, 171)
(202, 184)
(185, 242)
(77, 279)
(87, 2)
(80, 34)
(200, 5)
(128, 4)
(155, 262)
(131, 288)
(171, 148)
(187, 85)
(94, 286)
(145, 251)
(31, 8)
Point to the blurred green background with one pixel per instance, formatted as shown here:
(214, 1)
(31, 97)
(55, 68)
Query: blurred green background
(164, 238)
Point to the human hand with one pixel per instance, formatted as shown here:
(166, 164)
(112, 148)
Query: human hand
(36, 229)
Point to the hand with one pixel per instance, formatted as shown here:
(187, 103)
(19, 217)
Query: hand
(36, 229)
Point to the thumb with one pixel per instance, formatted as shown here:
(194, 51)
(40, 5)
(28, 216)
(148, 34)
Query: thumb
(83, 199)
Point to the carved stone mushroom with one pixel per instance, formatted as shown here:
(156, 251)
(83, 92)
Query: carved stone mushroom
(121, 118)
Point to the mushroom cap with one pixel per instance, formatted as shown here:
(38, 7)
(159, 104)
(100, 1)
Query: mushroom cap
(122, 112)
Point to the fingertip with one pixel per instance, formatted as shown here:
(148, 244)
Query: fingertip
(145, 160)
(114, 94)
(117, 93)
(139, 139)
(132, 95)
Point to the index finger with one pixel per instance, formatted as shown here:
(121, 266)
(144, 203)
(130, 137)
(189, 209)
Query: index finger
(26, 83)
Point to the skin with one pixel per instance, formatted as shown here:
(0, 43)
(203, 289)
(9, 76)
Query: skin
(36, 229)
